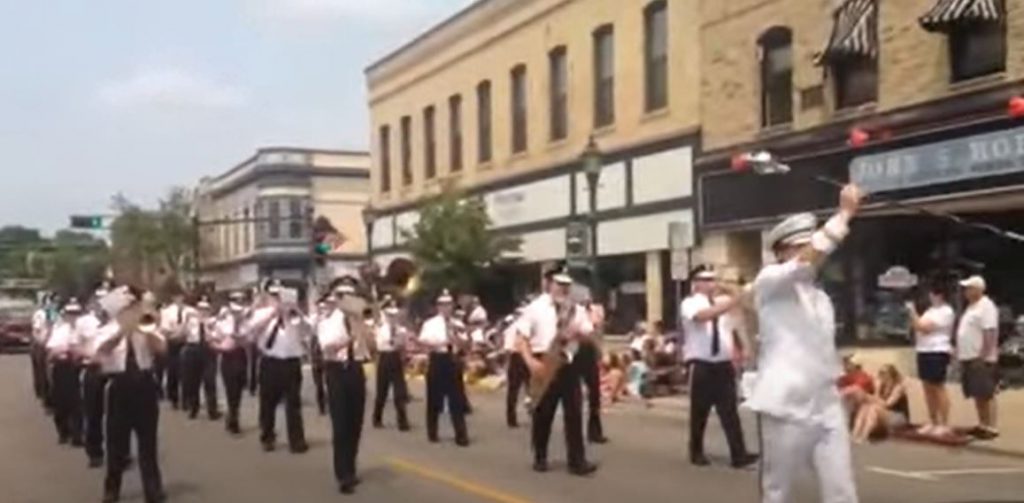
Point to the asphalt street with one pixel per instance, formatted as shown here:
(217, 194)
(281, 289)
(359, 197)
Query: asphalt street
(645, 462)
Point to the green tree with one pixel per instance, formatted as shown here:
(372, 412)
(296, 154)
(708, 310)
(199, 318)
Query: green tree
(77, 263)
(453, 245)
(153, 247)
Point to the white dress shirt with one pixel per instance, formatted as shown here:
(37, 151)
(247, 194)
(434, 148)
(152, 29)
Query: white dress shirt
(434, 334)
(115, 361)
(172, 321)
(539, 324)
(390, 336)
(228, 333)
(970, 334)
(197, 328)
(293, 332)
(40, 326)
(88, 328)
(333, 331)
(510, 335)
(63, 339)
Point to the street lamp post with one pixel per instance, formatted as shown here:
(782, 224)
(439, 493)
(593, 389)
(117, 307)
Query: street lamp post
(592, 165)
(368, 220)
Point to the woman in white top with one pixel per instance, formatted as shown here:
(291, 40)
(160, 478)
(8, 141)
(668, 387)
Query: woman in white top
(934, 332)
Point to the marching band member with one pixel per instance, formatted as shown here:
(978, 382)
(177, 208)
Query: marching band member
(342, 335)
(440, 336)
(40, 369)
(316, 357)
(199, 361)
(172, 323)
(230, 342)
(62, 351)
(517, 373)
(281, 332)
(550, 330)
(588, 358)
(94, 383)
(709, 352)
(390, 337)
(802, 416)
(128, 345)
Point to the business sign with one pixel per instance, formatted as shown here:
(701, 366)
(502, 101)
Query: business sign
(897, 278)
(680, 241)
(978, 156)
(577, 244)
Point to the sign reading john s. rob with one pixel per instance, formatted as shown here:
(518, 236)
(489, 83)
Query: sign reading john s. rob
(977, 156)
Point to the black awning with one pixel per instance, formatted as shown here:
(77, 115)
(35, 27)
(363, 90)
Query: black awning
(854, 31)
(947, 13)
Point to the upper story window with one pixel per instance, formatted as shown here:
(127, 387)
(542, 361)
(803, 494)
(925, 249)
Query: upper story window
(776, 50)
(407, 150)
(296, 218)
(429, 144)
(656, 55)
(604, 76)
(519, 109)
(274, 219)
(977, 35)
(385, 158)
(483, 121)
(851, 55)
(559, 93)
(455, 133)
(246, 231)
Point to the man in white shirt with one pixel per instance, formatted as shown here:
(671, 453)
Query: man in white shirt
(63, 349)
(230, 341)
(550, 330)
(517, 375)
(199, 361)
(41, 332)
(316, 355)
(346, 345)
(709, 342)
(802, 416)
(94, 382)
(441, 337)
(129, 354)
(172, 327)
(977, 349)
(391, 337)
(588, 359)
(281, 333)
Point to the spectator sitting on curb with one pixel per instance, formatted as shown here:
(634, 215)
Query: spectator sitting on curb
(885, 412)
(613, 379)
(855, 385)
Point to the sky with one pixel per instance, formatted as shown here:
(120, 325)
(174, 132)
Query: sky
(99, 97)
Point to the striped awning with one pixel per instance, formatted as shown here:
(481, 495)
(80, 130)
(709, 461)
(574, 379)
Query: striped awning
(854, 31)
(947, 13)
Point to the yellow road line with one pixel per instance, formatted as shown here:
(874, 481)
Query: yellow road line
(461, 484)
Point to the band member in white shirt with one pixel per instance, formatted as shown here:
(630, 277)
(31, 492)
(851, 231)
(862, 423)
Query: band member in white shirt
(588, 359)
(709, 352)
(199, 361)
(517, 375)
(346, 346)
(172, 327)
(550, 331)
(390, 337)
(41, 324)
(801, 414)
(281, 332)
(316, 357)
(441, 337)
(94, 383)
(230, 343)
(63, 351)
(128, 345)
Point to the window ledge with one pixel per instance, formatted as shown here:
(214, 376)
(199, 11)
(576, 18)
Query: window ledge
(855, 111)
(653, 115)
(485, 166)
(517, 156)
(557, 144)
(603, 130)
(976, 83)
(775, 130)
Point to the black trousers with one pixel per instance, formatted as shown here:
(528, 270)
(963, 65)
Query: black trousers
(254, 369)
(391, 374)
(443, 386)
(346, 388)
(40, 374)
(281, 380)
(199, 370)
(66, 397)
(587, 359)
(714, 385)
(133, 408)
(172, 362)
(94, 385)
(317, 371)
(234, 371)
(564, 389)
(460, 368)
(518, 375)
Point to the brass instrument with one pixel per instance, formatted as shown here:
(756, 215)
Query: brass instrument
(353, 308)
(543, 372)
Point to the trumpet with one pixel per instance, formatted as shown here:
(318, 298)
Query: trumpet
(543, 371)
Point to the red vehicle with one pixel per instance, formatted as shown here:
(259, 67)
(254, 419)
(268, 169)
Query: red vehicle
(15, 328)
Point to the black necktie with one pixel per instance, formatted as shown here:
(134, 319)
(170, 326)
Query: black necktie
(351, 340)
(131, 364)
(202, 332)
(180, 315)
(273, 334)
(716, 342)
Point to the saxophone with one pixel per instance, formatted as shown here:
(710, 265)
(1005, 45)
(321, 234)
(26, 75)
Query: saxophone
(543, 372)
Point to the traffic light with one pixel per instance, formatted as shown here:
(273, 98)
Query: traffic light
(92, 222)
(325, 236)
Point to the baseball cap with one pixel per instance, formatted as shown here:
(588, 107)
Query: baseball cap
(974, 282)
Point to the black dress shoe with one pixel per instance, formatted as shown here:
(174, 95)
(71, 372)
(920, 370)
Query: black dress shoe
(174, 404)
(347, 487)
(462, 442)
(540, 466)
(599, 439)
(378, 425)
(583, 470)
(111, 497)
(216, 416)
(269, 446)
(95, 462)
(745, 461)
(699, 460)
(403, 427)
(63, 440)
(299, 448)
(513, 424)
(434, 440)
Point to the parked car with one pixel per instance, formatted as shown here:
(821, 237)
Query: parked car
(15, 330)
